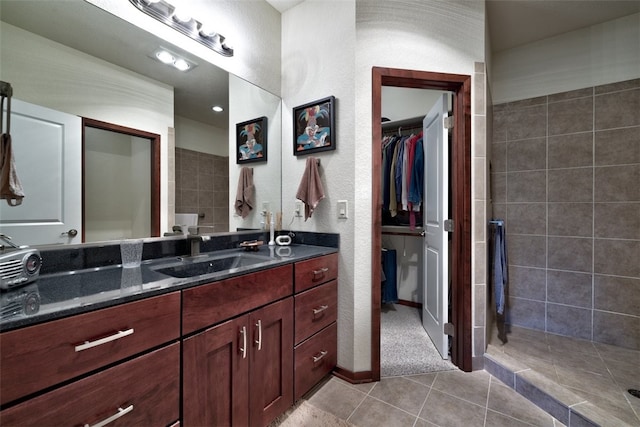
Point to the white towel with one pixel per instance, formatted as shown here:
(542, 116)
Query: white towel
(310, 190)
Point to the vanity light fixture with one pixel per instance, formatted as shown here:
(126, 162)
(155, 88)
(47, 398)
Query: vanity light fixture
(185, 24)
(217, 108)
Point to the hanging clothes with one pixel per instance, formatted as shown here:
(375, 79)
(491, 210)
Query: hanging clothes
(402, 167)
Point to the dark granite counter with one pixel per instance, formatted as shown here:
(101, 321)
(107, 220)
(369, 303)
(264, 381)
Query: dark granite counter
(58, 294)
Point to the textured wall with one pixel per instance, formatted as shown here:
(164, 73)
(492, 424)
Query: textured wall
(566, 177)
(362, 34)
(318, 45)
(420, 35)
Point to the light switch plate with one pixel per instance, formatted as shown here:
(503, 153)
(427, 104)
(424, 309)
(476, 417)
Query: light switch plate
(343, 209)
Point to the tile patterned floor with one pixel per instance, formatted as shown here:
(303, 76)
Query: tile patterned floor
(591, 373)
(449, 398)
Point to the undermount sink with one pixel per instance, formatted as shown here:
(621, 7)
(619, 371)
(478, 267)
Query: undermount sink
(210, 265)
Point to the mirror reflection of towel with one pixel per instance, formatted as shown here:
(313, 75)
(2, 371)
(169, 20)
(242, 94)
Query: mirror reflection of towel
(244, 195)
(310, 190)
(10, 187)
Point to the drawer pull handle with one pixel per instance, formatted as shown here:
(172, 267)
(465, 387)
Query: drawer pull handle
(319, 357)
(319, 310)
(243, 349)
(121, 413)
(321, 271)
(259, 340)
(116, 336)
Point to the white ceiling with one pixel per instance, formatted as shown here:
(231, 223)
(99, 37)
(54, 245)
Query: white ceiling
(516, 22)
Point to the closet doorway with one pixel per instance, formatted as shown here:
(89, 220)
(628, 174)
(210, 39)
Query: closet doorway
(415, 204)
(459, 163)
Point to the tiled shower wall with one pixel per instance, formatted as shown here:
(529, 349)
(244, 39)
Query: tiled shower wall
(202, 186)
(565, 176)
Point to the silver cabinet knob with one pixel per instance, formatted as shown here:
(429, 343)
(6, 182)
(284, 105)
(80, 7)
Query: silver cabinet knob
(71, 233)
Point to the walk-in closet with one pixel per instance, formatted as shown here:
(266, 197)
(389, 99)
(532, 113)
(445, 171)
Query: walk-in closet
(405, 345)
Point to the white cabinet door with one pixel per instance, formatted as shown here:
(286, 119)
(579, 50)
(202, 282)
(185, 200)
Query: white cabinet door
(436, 187)
(47, 150)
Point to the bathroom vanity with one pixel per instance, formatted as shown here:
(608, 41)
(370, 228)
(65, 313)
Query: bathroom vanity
(170, 345)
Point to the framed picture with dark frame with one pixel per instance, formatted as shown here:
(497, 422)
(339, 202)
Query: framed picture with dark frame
(314, 127)
(251, 141)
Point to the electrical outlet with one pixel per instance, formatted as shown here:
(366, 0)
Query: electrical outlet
(266, 207)
(298, 209)
(343, 209)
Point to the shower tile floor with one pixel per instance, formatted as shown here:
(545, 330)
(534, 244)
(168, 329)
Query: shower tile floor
(447, 398)
(589, 378)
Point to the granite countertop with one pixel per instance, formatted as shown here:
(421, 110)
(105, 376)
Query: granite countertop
(66, 293)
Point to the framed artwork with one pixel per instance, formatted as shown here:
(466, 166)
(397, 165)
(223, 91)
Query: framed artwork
(314, 127)
(251, 141)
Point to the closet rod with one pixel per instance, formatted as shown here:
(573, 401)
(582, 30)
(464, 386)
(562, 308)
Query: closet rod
(400, 233)
(390, 125)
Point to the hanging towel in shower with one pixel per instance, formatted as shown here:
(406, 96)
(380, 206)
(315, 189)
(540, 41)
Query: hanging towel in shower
(499, 265)
(244, 195)
(310, 190)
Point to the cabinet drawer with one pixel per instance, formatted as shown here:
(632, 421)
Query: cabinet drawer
(143, 392)
(315, 271)
(40, 356)
(215, 302)
(315, 309)
(314, 359)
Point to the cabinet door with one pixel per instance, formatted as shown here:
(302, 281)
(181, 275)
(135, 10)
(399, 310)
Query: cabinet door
(271, 388)
(216, 375)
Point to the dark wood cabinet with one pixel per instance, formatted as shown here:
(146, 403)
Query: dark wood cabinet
(240, 372)
(44, 355)
(316, 311)
(242, 349)
(141, 392)
(216, 371)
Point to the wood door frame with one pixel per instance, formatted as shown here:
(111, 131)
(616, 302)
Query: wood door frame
(154, 139)
(460, 85)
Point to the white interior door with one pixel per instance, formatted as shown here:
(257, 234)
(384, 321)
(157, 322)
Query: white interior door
(436, 272)
(47, 150)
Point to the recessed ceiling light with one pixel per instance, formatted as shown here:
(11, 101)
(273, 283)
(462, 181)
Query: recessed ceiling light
(181, 64)
(165, 57)
(217, 108)
(168, 57)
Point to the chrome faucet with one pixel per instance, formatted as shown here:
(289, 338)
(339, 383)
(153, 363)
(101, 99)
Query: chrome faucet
(194, 243)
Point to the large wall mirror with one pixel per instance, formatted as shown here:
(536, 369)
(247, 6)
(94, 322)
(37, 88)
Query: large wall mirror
(76, 59)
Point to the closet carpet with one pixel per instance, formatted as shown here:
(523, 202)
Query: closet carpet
(405, 347)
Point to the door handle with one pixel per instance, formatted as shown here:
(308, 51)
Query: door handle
(259, 340)
(243, 349)
(71, 233)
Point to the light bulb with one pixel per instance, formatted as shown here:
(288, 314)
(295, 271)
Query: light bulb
(181, 64)
(165, 57)
(182, 15)
(207, 31)
(217, 108)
